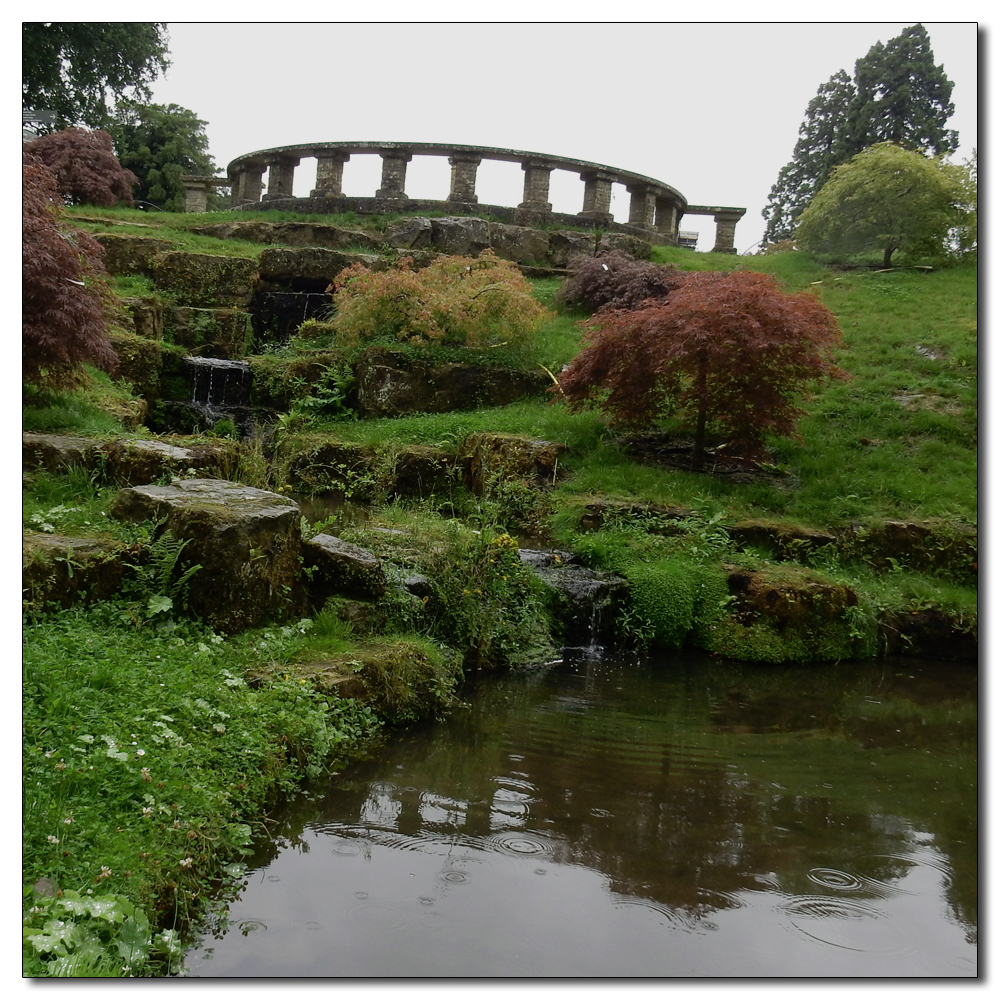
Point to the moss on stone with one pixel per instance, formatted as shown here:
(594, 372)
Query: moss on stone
(209, 280)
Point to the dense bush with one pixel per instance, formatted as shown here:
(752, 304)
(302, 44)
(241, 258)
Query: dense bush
(64, 290)
(614, 280)
(85, 166)
(466, 301)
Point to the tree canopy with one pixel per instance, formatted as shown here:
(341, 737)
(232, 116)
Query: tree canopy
(897, 95)
(822, 144)
(72, 67)
(86, 170)
(64, 311)
(159, 144)
(886, 198)
(725, 351)
(902, 97)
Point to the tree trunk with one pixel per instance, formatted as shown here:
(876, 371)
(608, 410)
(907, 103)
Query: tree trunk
(699, 441)
(699, 430)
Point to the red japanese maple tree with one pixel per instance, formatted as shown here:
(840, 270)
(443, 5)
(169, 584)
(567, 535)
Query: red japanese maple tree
(86, 168)
(727, 351)
(64, 289)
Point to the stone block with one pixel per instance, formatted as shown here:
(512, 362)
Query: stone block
(130, 254)
(140, 462)
(56, 452)
(246, 541)
(293, 234)
(338, 567)
(61, 570)
(419, 471)
(520, 244)
(390, 383)
(147, 316)
(285, 266)
(202, 279)
(218, 333)
(509, 456)
(565, 246)
(410, 234)
(460, 237)
(635, 247)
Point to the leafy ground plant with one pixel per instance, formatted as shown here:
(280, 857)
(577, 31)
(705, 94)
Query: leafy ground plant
(148, 761)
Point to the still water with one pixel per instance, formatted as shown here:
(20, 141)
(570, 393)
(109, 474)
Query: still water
(673, 816)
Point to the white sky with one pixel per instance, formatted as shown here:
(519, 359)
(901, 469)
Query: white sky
(711, 108)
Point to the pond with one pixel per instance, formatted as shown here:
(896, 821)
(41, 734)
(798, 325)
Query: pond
(673, 816)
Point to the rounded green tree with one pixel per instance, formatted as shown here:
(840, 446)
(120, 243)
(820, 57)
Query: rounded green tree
(887, 199)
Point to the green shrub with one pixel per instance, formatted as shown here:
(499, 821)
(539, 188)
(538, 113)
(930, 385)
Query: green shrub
(469, 301)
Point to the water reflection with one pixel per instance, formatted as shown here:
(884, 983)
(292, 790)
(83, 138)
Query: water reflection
(675, 817)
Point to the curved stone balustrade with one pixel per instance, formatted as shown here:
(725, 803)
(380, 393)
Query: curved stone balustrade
(655, 208)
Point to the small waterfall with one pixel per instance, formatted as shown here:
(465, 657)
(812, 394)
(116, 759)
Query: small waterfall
(218, 390)
(584, 598)
(276, 316)
(217, 383)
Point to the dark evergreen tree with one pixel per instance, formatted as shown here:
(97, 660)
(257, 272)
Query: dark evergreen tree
(897, 95)
(159, 144)
(820, 147)
(72, 67)
(902, 97)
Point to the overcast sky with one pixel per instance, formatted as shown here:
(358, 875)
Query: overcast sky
(712, 109)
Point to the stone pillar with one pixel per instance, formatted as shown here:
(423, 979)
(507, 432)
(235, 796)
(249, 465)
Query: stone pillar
(597, 196)
(536, 185)
(667, 217)
(393, 174)
(330, 174)
(642, 206)
(196, 190)
(248, 183)
(463, 177)
(535, 207)
(281, 175)
(725, 230)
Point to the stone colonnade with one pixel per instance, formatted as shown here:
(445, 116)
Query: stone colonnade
(654, 206)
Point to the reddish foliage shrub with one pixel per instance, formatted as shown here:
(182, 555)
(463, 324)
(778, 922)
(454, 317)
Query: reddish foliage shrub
(729, 351)
(614, 280)
(86, 168)
(64, 289)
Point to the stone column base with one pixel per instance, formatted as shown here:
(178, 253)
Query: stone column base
(532, 216)
(600, 218)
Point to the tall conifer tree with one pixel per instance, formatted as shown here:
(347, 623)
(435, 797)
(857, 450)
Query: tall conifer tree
(902, 97)
(897, 95)
(820, 147)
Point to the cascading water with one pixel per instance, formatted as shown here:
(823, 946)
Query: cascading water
(276, 316)
(218, 390)
(219, 384)
(586, 596)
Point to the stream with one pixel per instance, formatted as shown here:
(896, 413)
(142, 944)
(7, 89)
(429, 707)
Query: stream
(672, 816)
